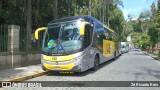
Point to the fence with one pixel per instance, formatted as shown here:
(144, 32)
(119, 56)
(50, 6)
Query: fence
(3, 38)
(35, 46)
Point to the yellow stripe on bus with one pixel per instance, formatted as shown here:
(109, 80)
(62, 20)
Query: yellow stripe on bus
(59, 67)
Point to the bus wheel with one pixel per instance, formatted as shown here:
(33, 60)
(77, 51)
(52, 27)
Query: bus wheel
(114, 56)
(96, 63)
(44, 68)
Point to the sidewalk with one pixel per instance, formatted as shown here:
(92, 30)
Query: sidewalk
(21, 73)
(153, 56)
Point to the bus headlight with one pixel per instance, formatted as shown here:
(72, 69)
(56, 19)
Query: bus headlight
(76, 59)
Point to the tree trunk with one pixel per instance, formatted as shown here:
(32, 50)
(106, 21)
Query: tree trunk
(103, 7)
(69, 7)
(90, 7)
(29, 24)
(37, 12)
(105, 13)
(108, 3)
(1, 1)
(75, 8)
(55, 9)
(100, 10)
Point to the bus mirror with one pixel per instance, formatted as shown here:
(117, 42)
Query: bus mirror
(33, 38)
(91, 26)
(37, 31)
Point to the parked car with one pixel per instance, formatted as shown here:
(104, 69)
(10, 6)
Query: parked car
(124, 49)
(136, 50)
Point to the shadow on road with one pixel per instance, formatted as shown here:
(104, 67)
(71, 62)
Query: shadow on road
(148, 72)
(152, 72)
(82, 73)
(143, 74)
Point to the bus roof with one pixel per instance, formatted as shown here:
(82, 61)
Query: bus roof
(71, 18)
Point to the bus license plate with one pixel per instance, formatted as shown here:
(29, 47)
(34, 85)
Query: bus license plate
(57, 68)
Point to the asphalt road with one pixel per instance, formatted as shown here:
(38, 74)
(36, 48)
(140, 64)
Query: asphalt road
(132, 66)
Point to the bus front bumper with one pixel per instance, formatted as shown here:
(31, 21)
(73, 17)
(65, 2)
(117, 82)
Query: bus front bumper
(61, 66)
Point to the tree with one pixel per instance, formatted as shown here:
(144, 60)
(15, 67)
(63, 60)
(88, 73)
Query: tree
(75, 8)
(153, 10)
(36, 13)
(153, 36)
(69, 7)
(117, 22)
(1, 3)
(29, 21)
(90, 7)
(144, 21)
(55, 9)
(144, 41)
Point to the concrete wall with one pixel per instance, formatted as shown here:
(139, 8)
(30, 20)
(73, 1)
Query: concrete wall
(14, 57)
(7, 60)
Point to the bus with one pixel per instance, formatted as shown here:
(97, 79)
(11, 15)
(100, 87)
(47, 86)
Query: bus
(76, 44)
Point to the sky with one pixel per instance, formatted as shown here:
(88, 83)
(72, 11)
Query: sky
(135, 7)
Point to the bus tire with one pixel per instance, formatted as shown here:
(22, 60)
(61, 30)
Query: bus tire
(96, 63)
(43, 68)
(115, 57)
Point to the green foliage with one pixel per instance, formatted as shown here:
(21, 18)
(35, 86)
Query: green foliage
(153, 35)
(145, 28)
(14, 11)
(117, 22)
(159, 53)
(137, 26)
(143, 40)
(43, 11)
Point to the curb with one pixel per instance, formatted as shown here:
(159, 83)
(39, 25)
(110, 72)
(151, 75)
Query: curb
(22, 78)
(154, 57)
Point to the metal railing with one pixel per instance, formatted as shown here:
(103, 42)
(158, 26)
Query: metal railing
(24, 41)
(3, 38)
(35, 46)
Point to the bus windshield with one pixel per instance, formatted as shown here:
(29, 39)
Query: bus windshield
(62, 38)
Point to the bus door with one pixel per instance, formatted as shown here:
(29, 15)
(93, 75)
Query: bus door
(87, 40)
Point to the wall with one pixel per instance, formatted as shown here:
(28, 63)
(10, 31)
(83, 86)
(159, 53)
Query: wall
(19, 59)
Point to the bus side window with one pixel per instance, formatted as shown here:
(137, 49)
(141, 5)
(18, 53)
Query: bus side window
(87, 35)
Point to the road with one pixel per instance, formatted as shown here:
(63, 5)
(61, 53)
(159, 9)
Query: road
(132, 66)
